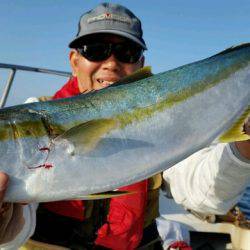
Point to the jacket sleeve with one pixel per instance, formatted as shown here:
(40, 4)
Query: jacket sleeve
(210, 181)
(24, 218)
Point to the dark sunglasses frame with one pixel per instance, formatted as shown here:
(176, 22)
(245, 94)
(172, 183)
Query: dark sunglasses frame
(123, 52)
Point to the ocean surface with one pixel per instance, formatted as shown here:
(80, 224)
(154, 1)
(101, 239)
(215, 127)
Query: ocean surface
(244, 203)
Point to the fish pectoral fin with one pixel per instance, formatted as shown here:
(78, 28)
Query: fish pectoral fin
(86, 136)
(137, 75)
(106, 195)
(236, 132)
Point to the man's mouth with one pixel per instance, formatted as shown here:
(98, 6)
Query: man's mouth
(106, 83)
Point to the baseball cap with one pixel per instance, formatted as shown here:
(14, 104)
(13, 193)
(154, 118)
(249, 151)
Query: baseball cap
(110, 18)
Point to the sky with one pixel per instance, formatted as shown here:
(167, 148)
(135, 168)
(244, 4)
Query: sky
(37, 33)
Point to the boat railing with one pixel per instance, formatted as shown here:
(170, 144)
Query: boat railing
(14, 68)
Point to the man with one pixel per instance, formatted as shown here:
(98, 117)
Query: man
(108, 46)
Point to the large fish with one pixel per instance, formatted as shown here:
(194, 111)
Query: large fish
(92, 143)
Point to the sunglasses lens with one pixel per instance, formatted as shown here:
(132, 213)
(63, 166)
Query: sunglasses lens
(128, 52)
(95, 52)
(124, 52)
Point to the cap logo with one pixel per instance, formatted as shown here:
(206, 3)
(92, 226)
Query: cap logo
(109, 16)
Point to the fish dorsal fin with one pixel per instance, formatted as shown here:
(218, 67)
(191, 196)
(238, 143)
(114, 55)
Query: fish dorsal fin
(236, 132)
(105, 195)
(86, 136)
(233, 48)
(136, 76)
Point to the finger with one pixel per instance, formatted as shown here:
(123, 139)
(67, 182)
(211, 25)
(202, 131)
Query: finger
(3, 185)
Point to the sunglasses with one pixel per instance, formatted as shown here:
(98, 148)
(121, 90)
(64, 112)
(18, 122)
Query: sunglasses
(123, 52)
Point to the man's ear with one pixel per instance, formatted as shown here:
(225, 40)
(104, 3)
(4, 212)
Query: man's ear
(74, 61)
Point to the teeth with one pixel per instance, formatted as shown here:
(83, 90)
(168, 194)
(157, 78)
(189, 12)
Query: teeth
(104, 82)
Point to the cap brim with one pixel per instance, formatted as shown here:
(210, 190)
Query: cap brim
(116, 32)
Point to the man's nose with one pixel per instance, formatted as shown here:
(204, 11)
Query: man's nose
(111, 63)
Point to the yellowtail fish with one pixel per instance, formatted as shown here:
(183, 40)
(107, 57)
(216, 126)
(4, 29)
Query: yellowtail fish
(73, 147)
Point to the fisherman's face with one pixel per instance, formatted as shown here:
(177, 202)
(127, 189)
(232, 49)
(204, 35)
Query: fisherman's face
(94, 75)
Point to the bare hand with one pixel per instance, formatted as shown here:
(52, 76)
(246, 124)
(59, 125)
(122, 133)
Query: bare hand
(4, 179)
(247, 126)
(11, 214)
(244, 146)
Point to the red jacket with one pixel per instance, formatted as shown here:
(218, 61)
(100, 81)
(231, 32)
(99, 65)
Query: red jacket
(124, 226)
